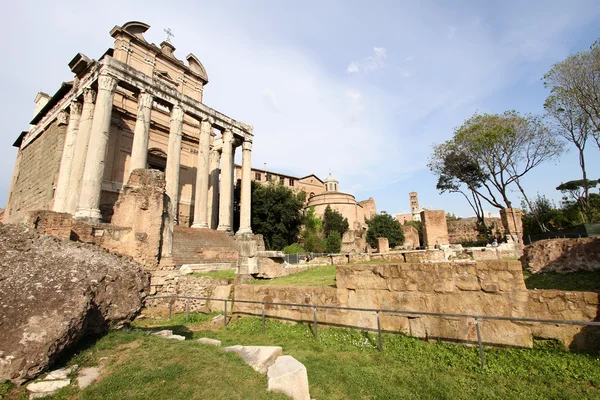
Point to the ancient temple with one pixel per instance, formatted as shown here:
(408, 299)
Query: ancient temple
(137, 107)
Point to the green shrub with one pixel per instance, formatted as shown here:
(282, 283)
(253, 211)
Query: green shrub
(294, 248)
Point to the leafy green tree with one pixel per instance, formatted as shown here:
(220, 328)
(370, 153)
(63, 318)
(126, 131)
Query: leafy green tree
(575, 192)
(334, 221)
(575, 81)
(313, 232)
(496, 150)
(333, 242)
(294, 248)
(276, 214)
(384, 225)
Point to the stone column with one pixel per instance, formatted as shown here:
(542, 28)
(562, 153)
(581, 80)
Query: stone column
(213, 189)
(139, 150)
(172, 180)
(226, 186)
(81, 146)
(245, 196)
(233, 182)
(201, 197)
(91, 189)
(66, 163)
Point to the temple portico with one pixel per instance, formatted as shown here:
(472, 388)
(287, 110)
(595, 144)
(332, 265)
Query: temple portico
(138, 98)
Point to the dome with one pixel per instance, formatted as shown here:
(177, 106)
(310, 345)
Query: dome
(331, 184)
(330, 178)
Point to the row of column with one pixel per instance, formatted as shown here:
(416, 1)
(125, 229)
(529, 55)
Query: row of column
(79, 185)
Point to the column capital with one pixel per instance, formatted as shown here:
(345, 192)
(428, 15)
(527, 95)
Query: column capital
(177, 113)
(247, 145)
(62, 118)
(227, 136)
(75, 108)
(215, 155)
(145, 99)
(207, 118)
(89, 95)
(107, 82)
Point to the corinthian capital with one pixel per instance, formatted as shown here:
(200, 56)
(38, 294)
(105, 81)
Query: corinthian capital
(107, 82)
(75, 108)
(89, 95)
(177, 113)
(247, 145)
(215, 156)
(62, 118)
(145, 100)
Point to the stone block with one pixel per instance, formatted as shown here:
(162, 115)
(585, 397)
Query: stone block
(435, 228)
(288, 376)
(212, 342)
(260, 358)
(87, 376)
(383, 245)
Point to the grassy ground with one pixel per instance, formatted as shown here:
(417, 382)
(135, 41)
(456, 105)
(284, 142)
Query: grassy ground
(583, 281)
(228, 274)
(317, 276)
(341, 364)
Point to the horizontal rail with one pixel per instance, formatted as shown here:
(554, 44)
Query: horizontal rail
(388, 311)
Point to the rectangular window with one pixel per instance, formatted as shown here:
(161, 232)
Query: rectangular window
(291, 182)
(257, 176)
(268, 177)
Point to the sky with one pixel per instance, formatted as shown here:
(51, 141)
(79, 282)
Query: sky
(359, 89)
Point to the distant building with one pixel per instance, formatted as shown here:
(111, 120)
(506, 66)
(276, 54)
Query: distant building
(311, 184)
(415, 210)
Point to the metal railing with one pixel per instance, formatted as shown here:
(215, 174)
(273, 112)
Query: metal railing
(378, 312)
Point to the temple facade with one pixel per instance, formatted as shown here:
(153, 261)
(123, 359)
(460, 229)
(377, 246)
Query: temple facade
(137, 107)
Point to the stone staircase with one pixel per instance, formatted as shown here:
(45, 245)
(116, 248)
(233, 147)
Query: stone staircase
(204, 249)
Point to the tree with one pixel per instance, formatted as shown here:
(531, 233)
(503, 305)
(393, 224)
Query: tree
(384, 225)
(571, 114)
(333, 242)
(491, 152)
(313, 232)
(576, 81)
(575, 192)
(334, 221)
(276, 214)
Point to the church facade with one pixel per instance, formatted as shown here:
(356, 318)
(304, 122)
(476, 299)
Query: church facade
(137, 107)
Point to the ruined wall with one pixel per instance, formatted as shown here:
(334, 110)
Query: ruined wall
(465, 230)
(493, 288)
(562, 255)
(369, 207)
(37, 175)
(435, 228)
(411, 237)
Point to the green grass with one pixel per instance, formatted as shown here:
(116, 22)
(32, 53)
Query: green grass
(140, 366)
(317, 276)
(228, 274)
(341, 364)
(582, 281)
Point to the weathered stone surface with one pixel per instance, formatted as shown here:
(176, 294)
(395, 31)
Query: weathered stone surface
(62, 373)
(168, 334)
(258, 357)
(212, 342)
(47, 387)
(435, 228)
(288, 376)
(562, 255)
(54, 292)
(87, 376)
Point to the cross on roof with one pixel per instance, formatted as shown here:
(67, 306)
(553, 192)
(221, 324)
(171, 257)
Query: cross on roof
(169, 34)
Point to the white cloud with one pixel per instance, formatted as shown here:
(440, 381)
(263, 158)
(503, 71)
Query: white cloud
(369, 64)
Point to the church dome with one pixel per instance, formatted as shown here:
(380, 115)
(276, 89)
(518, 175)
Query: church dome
(331, 184)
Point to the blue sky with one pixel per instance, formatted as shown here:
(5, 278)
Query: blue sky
(361, 89)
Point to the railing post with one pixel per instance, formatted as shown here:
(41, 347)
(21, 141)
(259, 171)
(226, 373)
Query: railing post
(379, 332)
(225, 312)
(315, 326)
(170, 307)
(479, 343)
(263, 318)
(187, 309)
